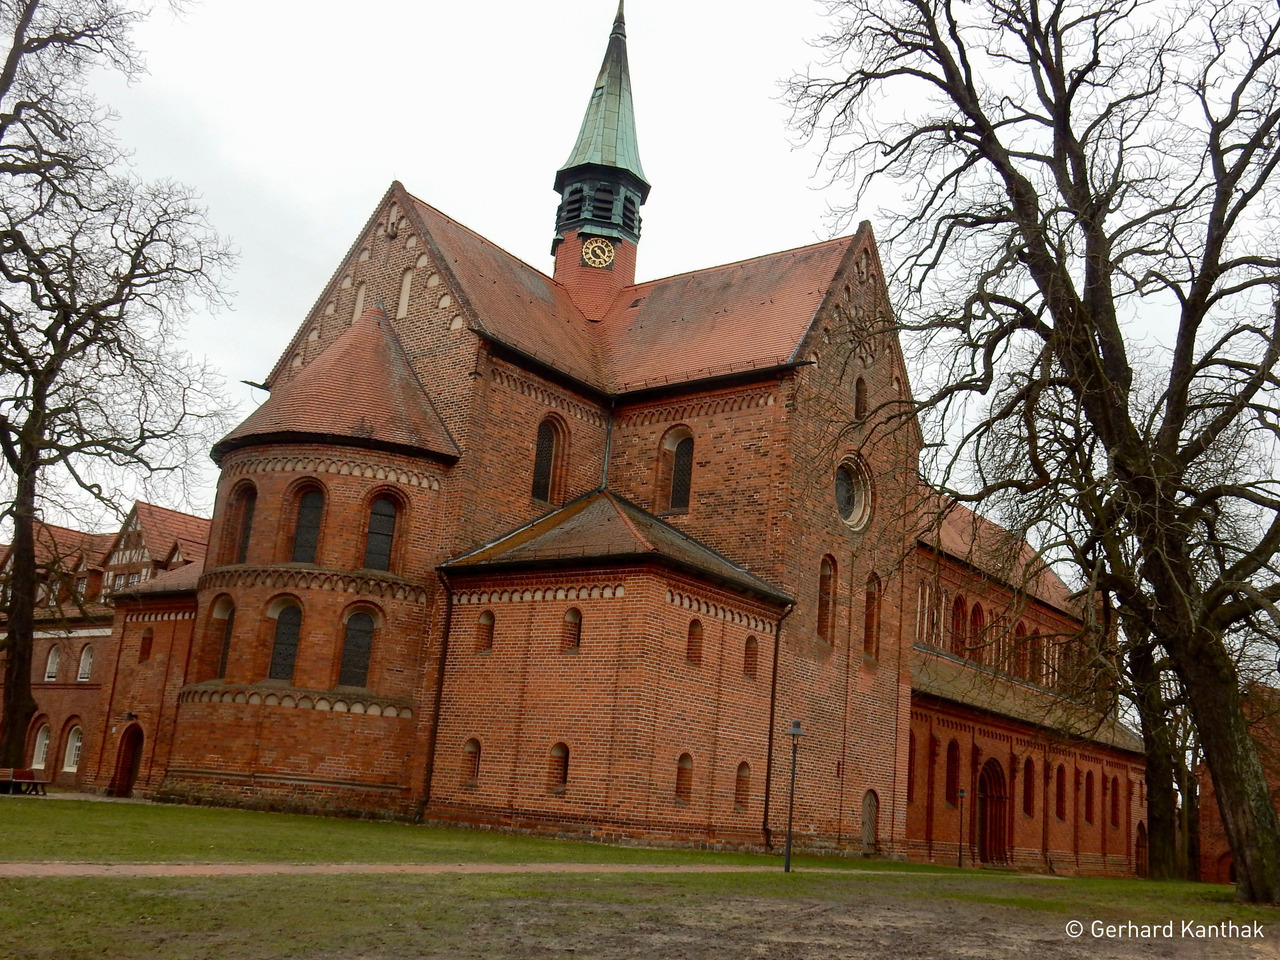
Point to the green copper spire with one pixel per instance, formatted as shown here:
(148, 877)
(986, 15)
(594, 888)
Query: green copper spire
(602, 183)
(608, 134)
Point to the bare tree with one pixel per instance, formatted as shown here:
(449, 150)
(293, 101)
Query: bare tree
(1088, 200)
(96, 270)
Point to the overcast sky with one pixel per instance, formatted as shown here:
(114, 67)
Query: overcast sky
(292, 119)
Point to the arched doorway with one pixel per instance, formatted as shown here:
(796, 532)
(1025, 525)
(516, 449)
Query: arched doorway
(993, 814)
(127, 762)
(870, 823)
(1140, 864)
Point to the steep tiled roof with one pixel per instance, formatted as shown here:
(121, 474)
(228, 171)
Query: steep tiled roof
(990, 548)
(604, 526)
(162, 528)
(726, 319)
(360, 391)
(965, 683)
(72, 549)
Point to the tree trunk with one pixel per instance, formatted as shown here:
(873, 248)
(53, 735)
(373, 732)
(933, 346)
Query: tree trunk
(19, 705)
(1157, 742)
(1248, 817)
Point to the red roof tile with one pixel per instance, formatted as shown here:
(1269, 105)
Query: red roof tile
(360, 391)
(162, 528)
(71, 549)
(181, 579)
(604, 526)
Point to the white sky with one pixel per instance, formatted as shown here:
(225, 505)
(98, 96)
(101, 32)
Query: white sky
(291, 120)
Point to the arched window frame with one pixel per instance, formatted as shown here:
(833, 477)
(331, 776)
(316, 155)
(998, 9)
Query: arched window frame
(558, 774)
(871, 618)
(359, 632)
(571, 631)
(860, 399)
(71, 755)
(484, 631)
(380, 530)
(953, 774)
(550, 460)
(684, 779)
(286, 612)
(239, 525)
(959, 626)
(828, 583)
(40, 751)
(222, 623)
(751, 658)
(693, 643)
(977, 630)
(1021, 651)
(742, 788)
(675, 471)
(85, 672)
(309, 503)
(51, 664)
(471, 753)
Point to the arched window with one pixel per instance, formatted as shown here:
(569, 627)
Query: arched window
(484, 632)
(977, 627)
(223, 610)
(548, 460)
(41, 752)
(953, 774)
(381, 534)
(51, 664)
(959, 627)
(871, 618)
(911, 766)
(675, 471)
(742, 787)
(358, 307)
(406, 288)
(870, 822)
(357, 644)
(558, 779)
(1115, 801)
(751, 658)
(306, 532)
(71, 759)
(1060, 793)
(1029, 788)
(571, 635)
(470, 762)
(144, 645)
(284, 649)
(1088, 797)
(240, 524)
(684, 778)
(826, 598)
(860, 399)
(693, 645)
(86, 663)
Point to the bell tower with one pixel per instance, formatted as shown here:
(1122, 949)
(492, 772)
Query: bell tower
(601, 187)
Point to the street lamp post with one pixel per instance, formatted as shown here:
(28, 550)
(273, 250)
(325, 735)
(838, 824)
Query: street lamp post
(795, 733)
(960, 845)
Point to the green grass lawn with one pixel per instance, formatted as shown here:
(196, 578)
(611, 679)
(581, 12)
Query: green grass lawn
(888, 910)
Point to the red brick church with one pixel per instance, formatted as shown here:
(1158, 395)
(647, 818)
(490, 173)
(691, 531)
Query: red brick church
(571, 552)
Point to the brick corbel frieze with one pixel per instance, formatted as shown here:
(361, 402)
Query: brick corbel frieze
(285, 578)
(329, 701)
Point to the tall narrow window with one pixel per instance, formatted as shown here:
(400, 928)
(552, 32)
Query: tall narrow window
(484, 632)
(860, 400)
(682, 474)
(240, 527)
(357, 643)
(71, 759)
(51, 664)
(406, 288)
(306, 532)
(742, 787)
(226, 643)
(470, 762)
(751, 658)
(693, 643)
(1060, 794)
(1029, 788)
(41, 753)
(953, 774)
(684, 778)
(544, 462)
(826, 598)
(959, 627)
(911, 766)
(1088, 797)
(1115, 801)
(284, 650)
(144, 645)
(86, 663)
(381, 534)
(1022, 651)
(871, 618)
(571, 632)
(559, 771)
(977, 629)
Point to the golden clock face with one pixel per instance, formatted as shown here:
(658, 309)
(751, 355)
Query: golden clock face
(597, 252)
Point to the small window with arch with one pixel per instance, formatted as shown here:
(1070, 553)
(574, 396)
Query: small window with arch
(558, 772)
(357, 648)
(223, 623)
(751, 658)
(86, 664)
(484, 632)
(471, 762)
(306, 530)
(71, 758)
(827, 583)
(742, 787)
(860, 400)
(1029, 787)
(240, 523)
(51, 664)
(548, 461)
(380, 534)
(871, 618)
(684, 778)
(675, 471)
(693, 643)
(284, 646)
(571, 631)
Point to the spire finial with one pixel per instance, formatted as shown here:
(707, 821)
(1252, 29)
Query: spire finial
(619, 23)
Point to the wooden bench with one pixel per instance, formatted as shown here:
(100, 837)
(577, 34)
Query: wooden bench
(22, 781)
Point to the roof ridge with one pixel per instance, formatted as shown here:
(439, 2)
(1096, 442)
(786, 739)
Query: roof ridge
(615, 502)
(737, 263)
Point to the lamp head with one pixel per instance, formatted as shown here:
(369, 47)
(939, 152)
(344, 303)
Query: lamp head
(795, 730)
